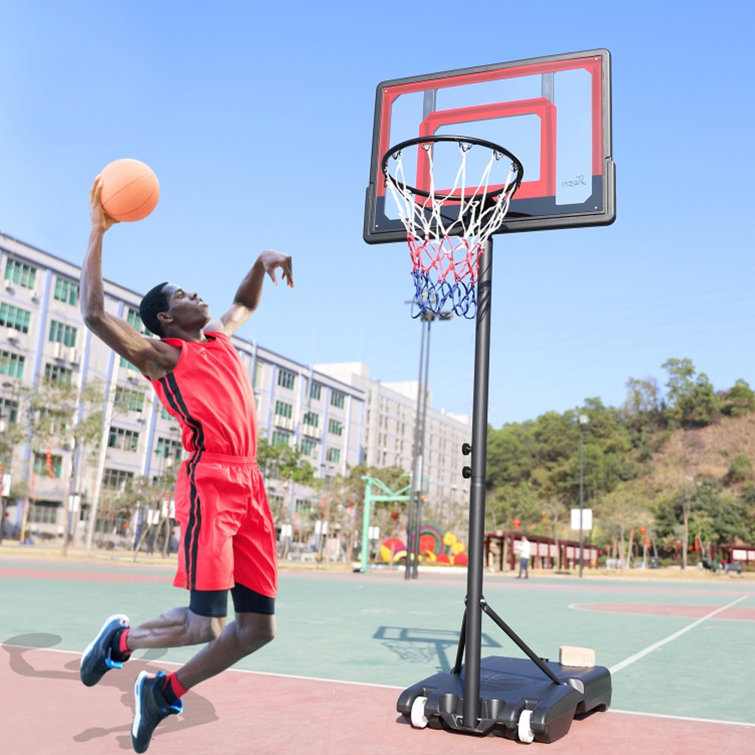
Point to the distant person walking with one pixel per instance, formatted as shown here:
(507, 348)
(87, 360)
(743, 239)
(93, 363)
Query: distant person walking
(525, 551)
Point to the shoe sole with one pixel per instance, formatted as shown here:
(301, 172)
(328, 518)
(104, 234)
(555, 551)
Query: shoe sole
(89, 647)
(137, 703)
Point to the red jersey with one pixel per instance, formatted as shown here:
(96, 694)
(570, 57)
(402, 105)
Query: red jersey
(210, 393)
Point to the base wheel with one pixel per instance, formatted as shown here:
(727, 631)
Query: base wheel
(418, 717)
(523, 729)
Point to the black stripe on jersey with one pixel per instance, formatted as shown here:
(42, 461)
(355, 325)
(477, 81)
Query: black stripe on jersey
(191, 536)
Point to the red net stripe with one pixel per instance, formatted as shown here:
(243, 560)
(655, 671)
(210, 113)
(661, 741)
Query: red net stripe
(446, 257)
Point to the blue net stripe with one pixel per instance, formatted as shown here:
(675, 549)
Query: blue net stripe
(440, 297)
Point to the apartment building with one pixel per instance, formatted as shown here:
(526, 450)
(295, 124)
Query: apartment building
(335, 414)
(43, 340)
(390, 421)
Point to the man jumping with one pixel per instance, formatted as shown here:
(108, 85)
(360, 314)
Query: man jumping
(227, 535)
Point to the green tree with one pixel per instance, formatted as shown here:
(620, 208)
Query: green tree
(692, 399)
(738, 400)
(283, 462)
(510, 455)
(740, 470)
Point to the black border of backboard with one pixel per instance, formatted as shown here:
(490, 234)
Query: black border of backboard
(606, 186)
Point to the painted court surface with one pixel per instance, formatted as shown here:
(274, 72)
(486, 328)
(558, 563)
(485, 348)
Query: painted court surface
(680, 654)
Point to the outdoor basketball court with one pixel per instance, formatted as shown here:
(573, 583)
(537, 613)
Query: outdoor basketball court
(457, 157)
(680, 655)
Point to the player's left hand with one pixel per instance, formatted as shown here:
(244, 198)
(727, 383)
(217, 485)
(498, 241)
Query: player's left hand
(271, 260)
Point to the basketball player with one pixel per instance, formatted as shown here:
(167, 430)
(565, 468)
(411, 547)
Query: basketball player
(227, 534)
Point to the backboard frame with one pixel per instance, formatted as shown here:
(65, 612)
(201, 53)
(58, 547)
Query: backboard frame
(536, 205)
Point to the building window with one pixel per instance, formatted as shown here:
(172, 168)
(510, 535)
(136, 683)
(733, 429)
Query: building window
(43, 512)
(279, 438)
(116, 479)
(308, 447)
(134, 319)
(168, 448)
(53, 420)
(129, 400)
(42, 469)
(61, 333)
(311, 418)
(283, 409)
(66, 291)
(11, 365)
(21, 273)
(126, 440)
(275, 501)
(8, 412)
(58, 375)
(286, 379)
(333, 454)
(335, 427)
(337, 399)
(303, 507)
(15, 317)
(315, 391)
(128, 366)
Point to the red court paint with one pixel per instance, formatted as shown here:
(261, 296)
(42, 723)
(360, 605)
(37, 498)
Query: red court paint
(81, 576)
(241, 712)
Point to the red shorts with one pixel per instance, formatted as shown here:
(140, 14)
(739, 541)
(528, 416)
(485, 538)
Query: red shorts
(227, 532)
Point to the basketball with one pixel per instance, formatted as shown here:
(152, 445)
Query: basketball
(130, 189)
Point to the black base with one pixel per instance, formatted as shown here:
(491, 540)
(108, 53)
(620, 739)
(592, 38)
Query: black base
(509, 686)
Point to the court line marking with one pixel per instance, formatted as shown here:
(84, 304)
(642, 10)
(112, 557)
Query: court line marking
(681, 718)
(177, 664)
(650, 648)
(381, 686)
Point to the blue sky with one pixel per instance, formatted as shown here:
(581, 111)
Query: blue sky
(257, 119)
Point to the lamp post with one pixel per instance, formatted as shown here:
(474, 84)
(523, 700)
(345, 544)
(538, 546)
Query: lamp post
(582, 420)
(415, 502)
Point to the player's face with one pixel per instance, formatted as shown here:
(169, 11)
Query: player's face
(187, 308)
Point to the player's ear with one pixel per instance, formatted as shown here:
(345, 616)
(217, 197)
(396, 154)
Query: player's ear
(165, 317)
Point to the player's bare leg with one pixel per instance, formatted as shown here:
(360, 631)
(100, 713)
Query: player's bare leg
(247, 634)
(177, 627)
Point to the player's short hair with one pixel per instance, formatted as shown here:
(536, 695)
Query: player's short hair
(154, 302)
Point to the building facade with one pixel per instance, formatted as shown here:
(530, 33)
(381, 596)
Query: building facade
(336, 416)
(389, 437)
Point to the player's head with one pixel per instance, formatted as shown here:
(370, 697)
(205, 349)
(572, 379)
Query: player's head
(154, 302)
(177, 312)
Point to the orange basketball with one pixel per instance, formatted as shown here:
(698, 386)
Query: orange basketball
(130, 189)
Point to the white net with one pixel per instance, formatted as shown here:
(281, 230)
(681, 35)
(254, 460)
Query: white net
(447, 227)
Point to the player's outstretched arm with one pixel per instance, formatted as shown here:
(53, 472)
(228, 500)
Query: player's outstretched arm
(151, 357)
(249, 293)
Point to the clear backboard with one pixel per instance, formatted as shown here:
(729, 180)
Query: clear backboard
(553, 113)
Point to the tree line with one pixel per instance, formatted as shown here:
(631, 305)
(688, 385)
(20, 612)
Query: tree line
(533, 469)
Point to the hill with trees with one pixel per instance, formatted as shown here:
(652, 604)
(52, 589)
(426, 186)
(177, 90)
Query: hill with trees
(677, 463)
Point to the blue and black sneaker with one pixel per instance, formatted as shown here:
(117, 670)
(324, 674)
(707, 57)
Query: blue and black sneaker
(97, 658)
(150, 707)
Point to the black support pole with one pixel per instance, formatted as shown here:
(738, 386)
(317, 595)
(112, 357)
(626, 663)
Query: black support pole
(471, 706)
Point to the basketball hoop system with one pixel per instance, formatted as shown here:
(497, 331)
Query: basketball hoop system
(446, 228)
